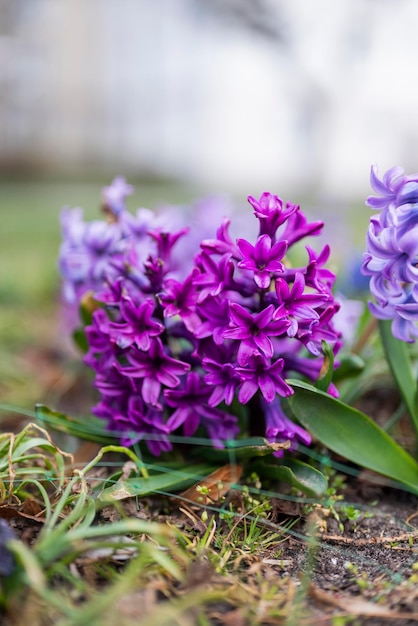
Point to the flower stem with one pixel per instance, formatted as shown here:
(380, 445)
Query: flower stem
(368, 331)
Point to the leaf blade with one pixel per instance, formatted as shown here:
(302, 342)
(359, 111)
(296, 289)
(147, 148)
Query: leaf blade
(295, 472)
(397, 356)
(140, 486)
(351, 433)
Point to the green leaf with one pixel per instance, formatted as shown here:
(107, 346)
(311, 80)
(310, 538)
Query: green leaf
(80, 340)
(350, 365)
(91, 428)
(298, 474)
(242, 449)
(172, 480)
(254, 446)
(325, 375)
(397, 356)
(350, 433)
(87, 307)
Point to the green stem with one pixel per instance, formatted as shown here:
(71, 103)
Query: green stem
(368, 331)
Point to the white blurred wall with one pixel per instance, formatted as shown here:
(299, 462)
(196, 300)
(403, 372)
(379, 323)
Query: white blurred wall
(161, 86)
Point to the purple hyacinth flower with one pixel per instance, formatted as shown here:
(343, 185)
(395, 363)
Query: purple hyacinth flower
(224, 377)
(191, 409)
(297, 227)
(114, 387)
(101, 241)
(188, 402)
(263, 258)
(179, 298)
(215, 277)
(146, 423)
(254, 331)
(137, 326)
(155, 368)
(102, 352)
(271, 213)
(215, 313)
(114, 196)
(223, 243)
(393, 253)
(300, 306)
(136, 422)
(388, 189)
(316, 275)
(221, 426)
(320, 330)
(166, 242)
(403, 315)
(139, 225)
(261, 375)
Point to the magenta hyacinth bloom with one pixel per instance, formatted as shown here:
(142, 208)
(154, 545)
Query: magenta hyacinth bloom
(301, 307)
(263, 258)
(224, 378)
(191, 408)
(155, 368)
(271, 212)
(179, 298)
(139, 326)
(182, 333)
(262, 376)
(254, 331)
(215, 313)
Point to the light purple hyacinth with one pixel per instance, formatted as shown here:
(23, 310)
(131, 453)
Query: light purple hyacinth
(114, 196)
(391, 258)
(180, 336)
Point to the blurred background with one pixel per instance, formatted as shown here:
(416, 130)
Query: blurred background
(228, 94)
(184, 98)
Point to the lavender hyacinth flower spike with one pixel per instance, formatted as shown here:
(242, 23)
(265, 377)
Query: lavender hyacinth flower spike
(179, 339)
(391, 257)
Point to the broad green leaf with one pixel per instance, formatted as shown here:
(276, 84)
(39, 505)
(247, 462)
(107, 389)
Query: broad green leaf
(171, 480)
(298, 474)
(350, 433)
(397, 356)
(91, 428)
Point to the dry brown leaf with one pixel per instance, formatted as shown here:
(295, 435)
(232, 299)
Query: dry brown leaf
(8, 511)
(214, 486)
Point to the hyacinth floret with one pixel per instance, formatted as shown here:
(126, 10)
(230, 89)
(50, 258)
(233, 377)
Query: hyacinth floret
(391, 257)
(176, 341)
